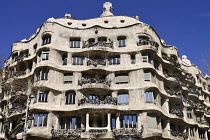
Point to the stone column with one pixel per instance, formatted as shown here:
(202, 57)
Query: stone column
(139, 121)
(118, 120)
(109, 121)
(87, 121)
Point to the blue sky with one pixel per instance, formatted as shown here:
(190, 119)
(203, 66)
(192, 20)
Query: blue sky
(182, 23)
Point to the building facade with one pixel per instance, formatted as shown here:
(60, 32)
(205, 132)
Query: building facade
(109, 78)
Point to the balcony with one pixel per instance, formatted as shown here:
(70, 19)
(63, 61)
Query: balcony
(172, 59)
(194, 91)
(127, 132)
(176, 111)
(179, 134)
(107, 44)
(204, 122)
(174, 91)
(16, 108)
(171, 74)
(96, 62)
(97, 101)
(94, 82)
(66, 133)
(142, 42)
(190, 78)
(98, 131)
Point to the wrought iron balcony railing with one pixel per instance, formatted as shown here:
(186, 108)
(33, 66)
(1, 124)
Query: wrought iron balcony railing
(97, 101)
(90, 80)
(177, 112)
(174, 91)
(66, 133)
(87, 44)
(147, 42)
(127, 132)
(185, 135)
(96, 62)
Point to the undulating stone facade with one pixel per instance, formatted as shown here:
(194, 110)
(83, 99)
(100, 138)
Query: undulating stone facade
(109, 78)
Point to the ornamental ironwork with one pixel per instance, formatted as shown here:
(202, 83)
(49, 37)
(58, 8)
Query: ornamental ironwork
(16, 108)
(174, 91)
(96, 62)
(97, 79)
(127, 132)
(194, 91)
(172, 59)
(170, 74)
(66, 133)
(176, 111)
(147, 42)
(179, 134)
(98, 132)
(203, 122)
(190, 78)
(87, 44)
(97, 101)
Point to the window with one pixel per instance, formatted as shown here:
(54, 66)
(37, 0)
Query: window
(146, 57)
(14, 57)
(70, 122)
(133, 59)
(122, 99)
(201, 134)
(64, 59)
(115, 60)
(75, 43)
(152, 121)
(189, 113)
(1, 127)
(76, 60)
(40, 120)
(113, 121)
(44, 55)
(147, 75)
(128, 121)
(43, 97)
(102, 41)
(70, 98)
(121, 42)
(46, 39)
(156, 64)
(67, 78)
(42, 75)
(192, 131)
(122, 79)
(93, 99)
(91, 42)
(149, 97)
(35, 47)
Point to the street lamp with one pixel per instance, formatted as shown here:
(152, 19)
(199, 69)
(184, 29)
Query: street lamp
(29, 97)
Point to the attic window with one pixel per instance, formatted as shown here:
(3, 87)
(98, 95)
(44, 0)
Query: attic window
(106, 21)
(122, 21)
(69, 23)
(83, 24)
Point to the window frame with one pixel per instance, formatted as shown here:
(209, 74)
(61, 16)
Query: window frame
(43, 122)
(78, 60)
(123, 98)
(46, 39)
(121, 41)
(75, 42)
(43, 97)
(70, 98)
